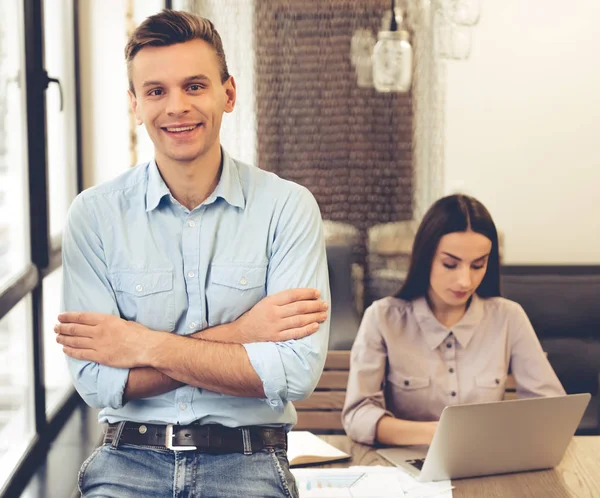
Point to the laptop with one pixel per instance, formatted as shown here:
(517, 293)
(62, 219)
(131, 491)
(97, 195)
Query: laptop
(494, 438)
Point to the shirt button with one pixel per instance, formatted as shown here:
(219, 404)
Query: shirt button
(453, 393)
(274, 402)
(448, 345)
(406, 382)
(497, 381)
(139, 288)
(182, 406)
(191, 223)
(451, 370)
(193, 325)
(243, 281)
(191, 274)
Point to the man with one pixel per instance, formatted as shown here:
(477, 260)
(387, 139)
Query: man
(191, 292)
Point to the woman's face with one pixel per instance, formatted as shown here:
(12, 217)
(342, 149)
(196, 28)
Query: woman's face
(458, 267)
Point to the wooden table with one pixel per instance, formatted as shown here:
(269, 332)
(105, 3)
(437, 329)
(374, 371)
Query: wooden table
(578, 475)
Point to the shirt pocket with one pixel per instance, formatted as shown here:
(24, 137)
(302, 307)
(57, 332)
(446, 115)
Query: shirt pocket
(233, 290)
(489, 387)
(408, 396)
(146, 297)
(408, 382)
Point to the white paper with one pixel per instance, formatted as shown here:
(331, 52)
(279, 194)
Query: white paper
(304, 443)
(366, 482)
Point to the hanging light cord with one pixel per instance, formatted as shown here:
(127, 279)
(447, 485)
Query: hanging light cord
(393, 24)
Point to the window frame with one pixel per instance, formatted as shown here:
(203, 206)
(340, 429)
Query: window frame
(46, 251)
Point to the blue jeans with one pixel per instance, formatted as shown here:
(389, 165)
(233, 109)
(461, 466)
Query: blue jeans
(135, 472)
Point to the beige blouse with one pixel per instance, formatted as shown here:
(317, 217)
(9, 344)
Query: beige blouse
(406, 364)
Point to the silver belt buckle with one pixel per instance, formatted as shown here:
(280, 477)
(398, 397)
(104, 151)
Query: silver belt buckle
(169, 441)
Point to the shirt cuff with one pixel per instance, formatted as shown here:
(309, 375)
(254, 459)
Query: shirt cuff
(363, 426)
(264, 358)
(111, 385)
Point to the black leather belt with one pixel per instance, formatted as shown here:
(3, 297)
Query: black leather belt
(209, 438)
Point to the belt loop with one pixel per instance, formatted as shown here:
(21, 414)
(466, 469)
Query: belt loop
(247, 441)
(115, 442)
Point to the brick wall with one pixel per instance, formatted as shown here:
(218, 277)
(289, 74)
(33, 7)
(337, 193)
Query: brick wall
(352, 147)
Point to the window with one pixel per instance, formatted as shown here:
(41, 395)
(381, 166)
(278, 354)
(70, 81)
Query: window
(38, 135)
(14, 216)
(16, 392)
(16, 396)
(60, 111)
(56, 374)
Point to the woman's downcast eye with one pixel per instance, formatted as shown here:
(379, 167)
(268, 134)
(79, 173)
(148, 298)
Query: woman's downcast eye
(452, 267)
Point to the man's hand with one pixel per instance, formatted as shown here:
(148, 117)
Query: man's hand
(104, 339)
(114, 342)
(290, 314)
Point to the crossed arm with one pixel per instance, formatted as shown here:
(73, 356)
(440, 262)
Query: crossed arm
(112, 359)
(160, 362)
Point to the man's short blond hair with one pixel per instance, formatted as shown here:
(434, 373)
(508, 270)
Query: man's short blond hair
(170, 27)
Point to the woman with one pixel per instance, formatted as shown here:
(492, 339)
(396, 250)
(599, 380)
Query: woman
(446, 338)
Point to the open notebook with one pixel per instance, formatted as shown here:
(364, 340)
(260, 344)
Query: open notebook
(304, 447)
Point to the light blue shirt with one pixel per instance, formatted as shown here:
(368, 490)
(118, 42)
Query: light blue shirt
(131, 250)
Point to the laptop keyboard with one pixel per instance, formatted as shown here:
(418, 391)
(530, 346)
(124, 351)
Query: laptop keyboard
(417, 463)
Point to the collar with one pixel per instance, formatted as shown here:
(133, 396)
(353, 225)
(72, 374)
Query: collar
(434, 333)
(229, 187)
(156, 187)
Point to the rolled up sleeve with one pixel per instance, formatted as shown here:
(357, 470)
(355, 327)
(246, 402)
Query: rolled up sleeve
(290, 370)
(365, 402)
(86, 288)
(264, 358)
(99, 386)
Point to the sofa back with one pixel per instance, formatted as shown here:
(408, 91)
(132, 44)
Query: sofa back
(561, 301)
(563, 304)
(344, 318)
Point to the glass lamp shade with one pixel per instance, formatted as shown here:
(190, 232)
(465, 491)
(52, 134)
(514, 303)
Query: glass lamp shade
(392, 62)
(361, 50)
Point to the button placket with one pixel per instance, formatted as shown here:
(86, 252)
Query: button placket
(191, 271)
(449, 353)
(448, 348)
(183, 402)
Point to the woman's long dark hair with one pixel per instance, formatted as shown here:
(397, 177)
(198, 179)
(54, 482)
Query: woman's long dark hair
(454, 213)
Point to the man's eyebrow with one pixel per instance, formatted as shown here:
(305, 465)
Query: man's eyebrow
(196, 77)
(151, 83)
(459, 259)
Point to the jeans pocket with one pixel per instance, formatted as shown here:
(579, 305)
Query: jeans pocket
(282, 466)
(85, 466)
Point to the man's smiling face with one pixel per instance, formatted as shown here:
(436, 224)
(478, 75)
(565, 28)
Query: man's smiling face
(180, 99)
